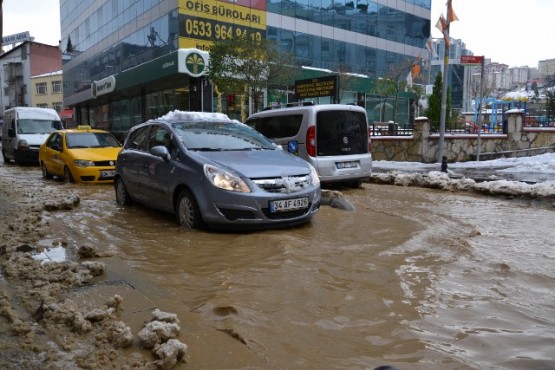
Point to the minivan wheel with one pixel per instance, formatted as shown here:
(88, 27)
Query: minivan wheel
(68, 177)
(6, 160)
(187, 211)
(122, 196)
(45, 174)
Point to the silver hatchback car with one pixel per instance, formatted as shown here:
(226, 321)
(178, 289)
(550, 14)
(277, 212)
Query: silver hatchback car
(211, 171)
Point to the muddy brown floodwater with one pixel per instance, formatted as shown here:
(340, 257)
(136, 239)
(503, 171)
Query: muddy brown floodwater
(414, 278)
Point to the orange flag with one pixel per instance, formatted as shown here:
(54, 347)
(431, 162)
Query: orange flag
(415, 70)
(452, 16)
(441, 24)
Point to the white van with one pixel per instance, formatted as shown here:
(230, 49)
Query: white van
(334, 138)
(24, 130)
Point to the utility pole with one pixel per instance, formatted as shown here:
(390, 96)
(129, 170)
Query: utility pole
(480, 109)
(440, 157)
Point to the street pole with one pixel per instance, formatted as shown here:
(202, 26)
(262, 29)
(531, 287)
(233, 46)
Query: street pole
(480, 110)
(441, 158)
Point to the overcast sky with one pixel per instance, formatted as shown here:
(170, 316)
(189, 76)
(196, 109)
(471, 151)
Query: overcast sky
(40, 17)
(514, 32)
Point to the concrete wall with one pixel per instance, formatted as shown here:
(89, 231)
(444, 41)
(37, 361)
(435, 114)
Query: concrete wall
(423, 146)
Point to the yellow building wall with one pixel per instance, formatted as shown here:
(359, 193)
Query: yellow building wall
(50, 99)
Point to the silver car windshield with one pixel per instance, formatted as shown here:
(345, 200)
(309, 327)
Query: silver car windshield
(220, 136)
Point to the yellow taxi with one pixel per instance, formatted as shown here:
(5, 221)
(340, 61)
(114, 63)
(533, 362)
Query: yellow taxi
(82, 155)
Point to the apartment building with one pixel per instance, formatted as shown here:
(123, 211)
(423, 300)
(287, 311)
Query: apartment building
(19, 65)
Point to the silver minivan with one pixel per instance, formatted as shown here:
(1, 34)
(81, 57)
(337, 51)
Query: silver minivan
(334, 138)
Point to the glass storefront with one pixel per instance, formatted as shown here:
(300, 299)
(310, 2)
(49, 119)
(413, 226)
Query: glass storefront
(102, 38)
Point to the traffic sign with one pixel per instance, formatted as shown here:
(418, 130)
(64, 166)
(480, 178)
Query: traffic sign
(472, 60)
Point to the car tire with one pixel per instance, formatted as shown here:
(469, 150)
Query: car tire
(15, 157)
(45, 174)
(187, 211)
(68, 177)
(122, 196)
(6, 159)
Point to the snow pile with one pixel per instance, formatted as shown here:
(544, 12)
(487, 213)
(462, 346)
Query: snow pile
(540, 168)
(159, 335)
(516, 96)
(441, 180)
(178, 115)
(40, 325)
(120, 335)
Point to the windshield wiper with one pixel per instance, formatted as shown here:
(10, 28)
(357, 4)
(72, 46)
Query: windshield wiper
(206, 149)
(252, 148)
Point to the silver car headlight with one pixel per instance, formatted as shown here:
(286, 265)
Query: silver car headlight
(226, 180)
(83, 163)
(314, 179)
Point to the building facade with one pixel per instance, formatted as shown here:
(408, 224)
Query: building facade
(456, 73)
(47, 91)
(129, 60)
(18, 66)
(546, 68)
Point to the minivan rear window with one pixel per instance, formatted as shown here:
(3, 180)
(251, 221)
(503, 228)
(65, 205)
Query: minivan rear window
(341, 132)
(277, 127)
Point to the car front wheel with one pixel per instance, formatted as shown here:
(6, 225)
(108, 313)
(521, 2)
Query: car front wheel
(6, 159)
(45, 173)
(68, 177)
(122, 196)
(188, 213)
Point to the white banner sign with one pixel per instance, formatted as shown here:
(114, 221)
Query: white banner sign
(18, 37)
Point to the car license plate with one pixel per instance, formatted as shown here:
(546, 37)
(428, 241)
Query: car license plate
(288, 204)
(105, 174)
(351, 164)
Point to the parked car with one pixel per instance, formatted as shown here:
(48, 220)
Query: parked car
(212, 171)
(81, 155)
(334, 138)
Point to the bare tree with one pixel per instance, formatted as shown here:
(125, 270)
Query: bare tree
(245, 66)
(391, 85)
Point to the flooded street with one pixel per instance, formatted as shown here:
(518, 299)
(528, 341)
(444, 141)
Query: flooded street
(414, 278)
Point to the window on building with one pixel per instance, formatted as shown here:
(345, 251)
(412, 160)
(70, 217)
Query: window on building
(56, 87)
(42, 105)
(41, 88)
(57, 106)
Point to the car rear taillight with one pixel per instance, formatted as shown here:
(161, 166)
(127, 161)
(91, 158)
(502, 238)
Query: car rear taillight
(311, 141)
(369, 140)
